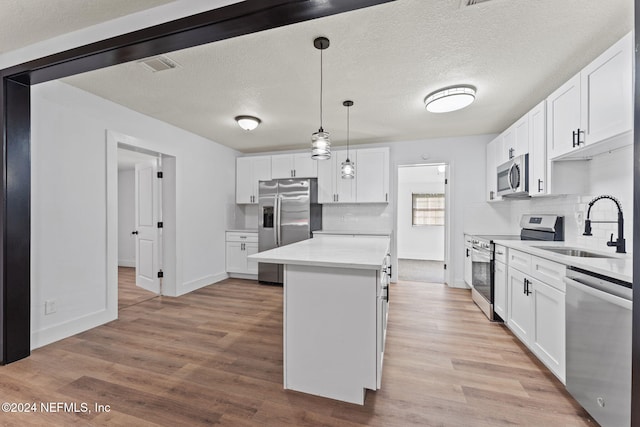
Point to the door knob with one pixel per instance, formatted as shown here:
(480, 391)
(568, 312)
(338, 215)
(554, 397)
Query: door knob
(134, 232)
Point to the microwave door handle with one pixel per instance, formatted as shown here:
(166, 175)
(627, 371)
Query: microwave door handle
(510, 176)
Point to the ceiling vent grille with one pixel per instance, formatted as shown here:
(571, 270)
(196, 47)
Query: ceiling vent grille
(465, 3)
(159, 63)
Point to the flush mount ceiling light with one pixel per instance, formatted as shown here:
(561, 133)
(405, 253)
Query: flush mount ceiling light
(248, 122)
(348, 168)
(320, 143)
(450, 99)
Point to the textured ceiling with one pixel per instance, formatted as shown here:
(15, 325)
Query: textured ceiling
(25, 22)
(386, 59)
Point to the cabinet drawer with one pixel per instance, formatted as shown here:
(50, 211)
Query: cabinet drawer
(548, 272)
(519, 260)
(236, 236)
(500, 254)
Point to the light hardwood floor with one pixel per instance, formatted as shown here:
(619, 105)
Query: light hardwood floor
(215, 357)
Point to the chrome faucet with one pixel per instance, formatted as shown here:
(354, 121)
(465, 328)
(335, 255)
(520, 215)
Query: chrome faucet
(619, 243)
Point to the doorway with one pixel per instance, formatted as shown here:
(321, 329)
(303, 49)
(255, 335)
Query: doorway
(130, 291)
(141, 221)
(422, 222)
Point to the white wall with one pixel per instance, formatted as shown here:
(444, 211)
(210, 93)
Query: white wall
(424, 242)
(68, 210)
(126, 212)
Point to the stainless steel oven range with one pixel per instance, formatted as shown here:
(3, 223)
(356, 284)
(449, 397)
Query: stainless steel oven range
(541, 227)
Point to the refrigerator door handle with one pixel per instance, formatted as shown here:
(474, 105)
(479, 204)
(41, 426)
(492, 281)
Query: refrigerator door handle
(278, 219)
(275, 220)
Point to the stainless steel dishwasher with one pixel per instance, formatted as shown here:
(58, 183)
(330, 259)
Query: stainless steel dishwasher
(598, 336)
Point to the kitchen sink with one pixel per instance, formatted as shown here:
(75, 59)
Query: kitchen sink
(573, 252)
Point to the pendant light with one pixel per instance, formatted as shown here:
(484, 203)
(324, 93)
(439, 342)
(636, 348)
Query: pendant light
(348, 168)
(320, 143)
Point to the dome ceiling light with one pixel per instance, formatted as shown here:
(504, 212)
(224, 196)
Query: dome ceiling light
(450, 99)
(248, 122)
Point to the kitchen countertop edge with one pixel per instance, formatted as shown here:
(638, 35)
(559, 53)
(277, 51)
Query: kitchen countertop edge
(619, 266)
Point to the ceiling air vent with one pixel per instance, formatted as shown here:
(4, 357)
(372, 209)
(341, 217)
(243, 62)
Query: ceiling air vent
(465, 3)
(159, 63)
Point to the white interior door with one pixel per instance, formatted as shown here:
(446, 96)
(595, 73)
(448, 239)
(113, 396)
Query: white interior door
(146, 222)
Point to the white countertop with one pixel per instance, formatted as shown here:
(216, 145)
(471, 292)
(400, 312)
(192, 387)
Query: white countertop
(366, 253)
(244, 230)
(619, 267)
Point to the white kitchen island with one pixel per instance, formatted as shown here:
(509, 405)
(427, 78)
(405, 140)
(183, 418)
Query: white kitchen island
(335, 313)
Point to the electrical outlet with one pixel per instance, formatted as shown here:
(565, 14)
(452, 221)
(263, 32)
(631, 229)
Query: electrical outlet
(50, 306)
(579, 218)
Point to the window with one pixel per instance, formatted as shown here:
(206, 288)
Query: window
(427, 209)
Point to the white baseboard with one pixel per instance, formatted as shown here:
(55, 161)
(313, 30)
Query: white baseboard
(459, 285)
(243, 276)
(75, 326)
(126, 263)
(191, 286)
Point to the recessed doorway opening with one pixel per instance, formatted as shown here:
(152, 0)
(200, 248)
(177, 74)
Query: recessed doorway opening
(422, 222)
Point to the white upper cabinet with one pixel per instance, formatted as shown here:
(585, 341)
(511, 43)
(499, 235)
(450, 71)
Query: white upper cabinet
(537, 151)
(372, 175)
(250, 170)
(331, 187)
(492, 164)
(563, 118)
(594, 106)
(607, 109)
(370, 185)
(299, 165)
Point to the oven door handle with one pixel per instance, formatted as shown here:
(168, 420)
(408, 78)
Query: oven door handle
(613, 299)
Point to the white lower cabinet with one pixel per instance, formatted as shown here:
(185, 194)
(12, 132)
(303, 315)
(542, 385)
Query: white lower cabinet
(536, 310)
(239, 246)
(500, 287)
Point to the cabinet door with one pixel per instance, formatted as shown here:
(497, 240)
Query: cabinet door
(326, 185)
(491, 181)
(345, 189)
(304, 166)
(508, 145)
(467, 265)
(500, 290)
(372, 175)
(244, 180)
(607, 88)
(282, 166)
(548, 337)
(563, 117)
(251, 265)
(521, 131)
(537, 150)
(236, 258)
(261, 172)
(519, 310)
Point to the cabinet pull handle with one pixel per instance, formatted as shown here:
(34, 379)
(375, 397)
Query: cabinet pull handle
(491, 195)
(511, 150)
(294, 173)
(574, 133)
(539, 185)
(467, 252)
(386, 197)
(580, 132)
(524, 286)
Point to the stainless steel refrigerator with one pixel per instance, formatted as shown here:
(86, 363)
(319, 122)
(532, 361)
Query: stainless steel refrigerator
(288, 212)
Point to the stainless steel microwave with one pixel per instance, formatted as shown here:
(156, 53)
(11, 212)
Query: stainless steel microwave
(513, 177)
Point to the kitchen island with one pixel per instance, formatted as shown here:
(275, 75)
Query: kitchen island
(335, 312)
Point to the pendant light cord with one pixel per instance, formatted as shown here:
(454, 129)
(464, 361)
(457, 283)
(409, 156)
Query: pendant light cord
(348, 108)
(321, 129)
